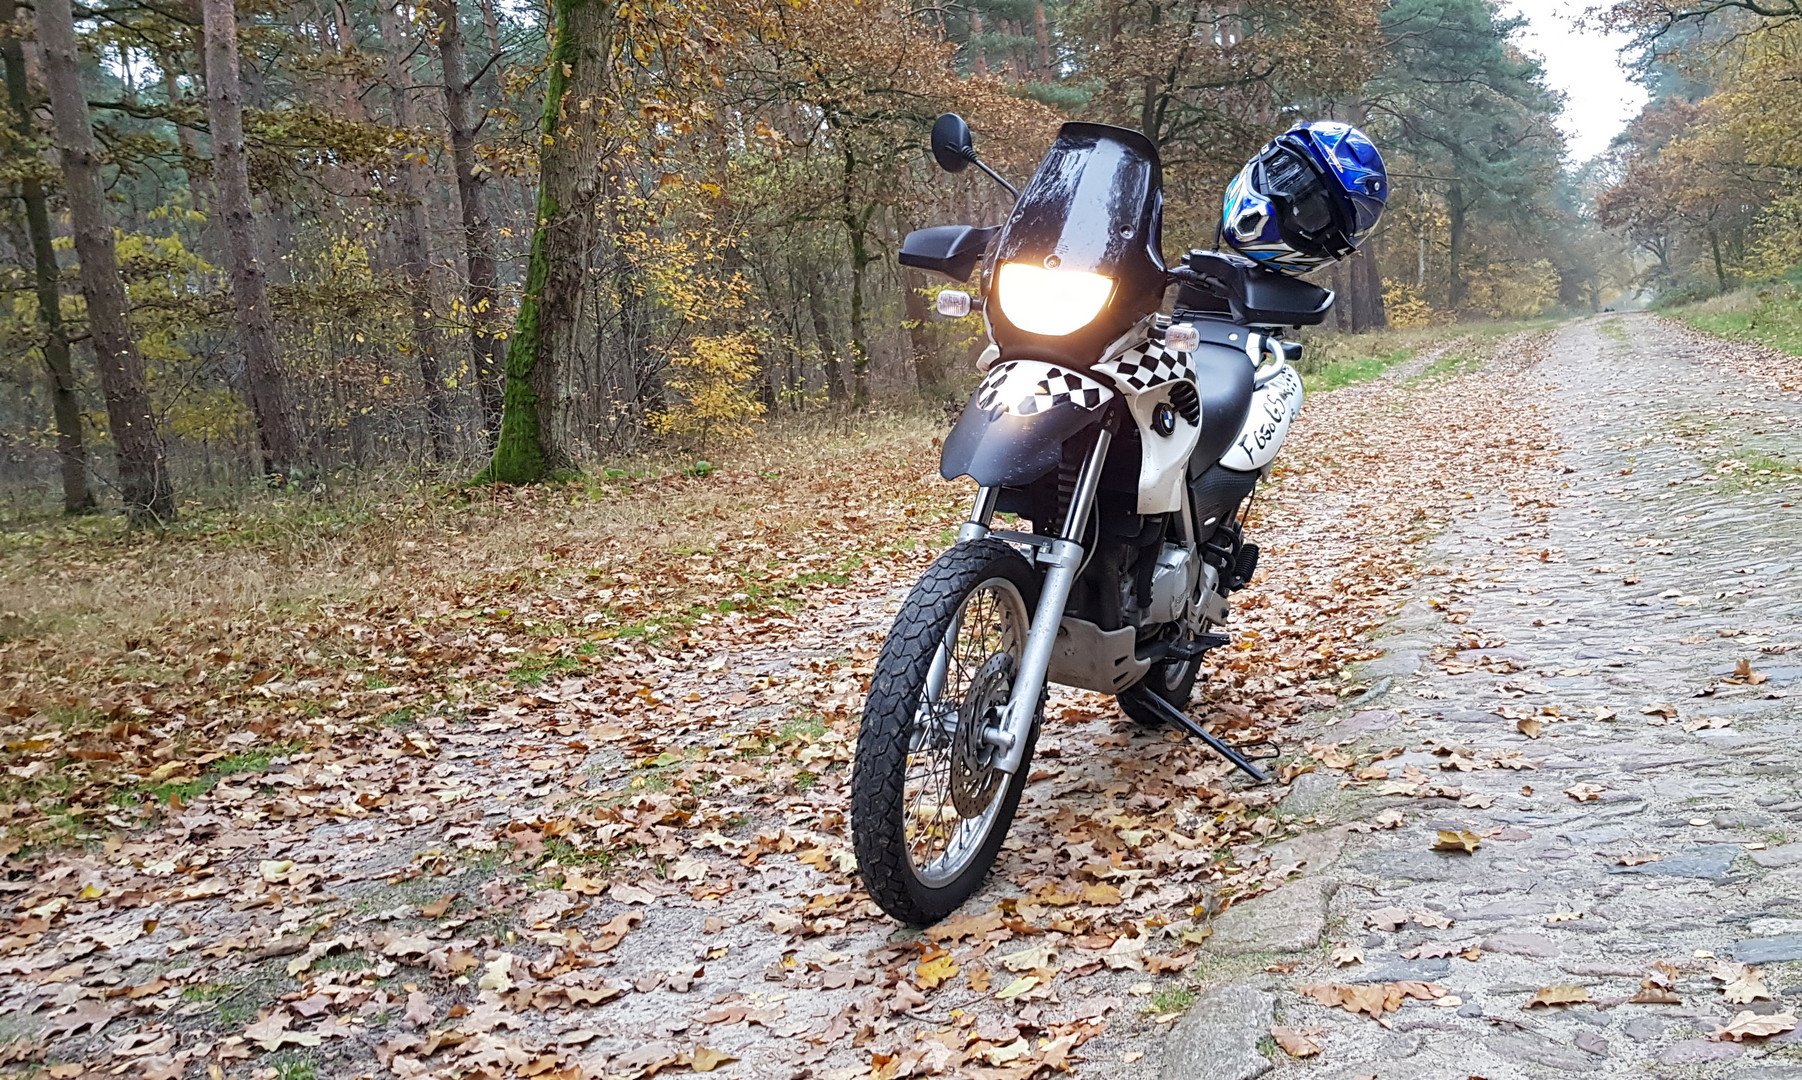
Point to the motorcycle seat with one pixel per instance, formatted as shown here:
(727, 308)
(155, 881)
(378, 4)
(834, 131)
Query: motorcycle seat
(1223, 378)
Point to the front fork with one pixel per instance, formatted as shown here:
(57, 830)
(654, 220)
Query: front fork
(1063, 558)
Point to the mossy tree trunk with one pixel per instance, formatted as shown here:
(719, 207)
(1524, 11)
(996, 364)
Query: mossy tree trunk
(574, 143)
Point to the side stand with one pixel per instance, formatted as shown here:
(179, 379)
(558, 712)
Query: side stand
(1179, 720)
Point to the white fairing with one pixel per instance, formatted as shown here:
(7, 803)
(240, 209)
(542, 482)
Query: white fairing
(1274, 406)
(1147, 375)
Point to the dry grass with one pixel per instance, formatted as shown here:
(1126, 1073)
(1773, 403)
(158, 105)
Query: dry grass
(88, 584)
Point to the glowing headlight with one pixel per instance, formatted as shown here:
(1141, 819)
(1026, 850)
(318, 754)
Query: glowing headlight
(1051, 302)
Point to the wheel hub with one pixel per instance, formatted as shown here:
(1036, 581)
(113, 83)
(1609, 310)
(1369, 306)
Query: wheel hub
(974, 777)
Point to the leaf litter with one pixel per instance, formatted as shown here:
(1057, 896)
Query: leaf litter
(582, 794)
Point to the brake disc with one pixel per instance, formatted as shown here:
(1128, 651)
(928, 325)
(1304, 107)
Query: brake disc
(974, 778)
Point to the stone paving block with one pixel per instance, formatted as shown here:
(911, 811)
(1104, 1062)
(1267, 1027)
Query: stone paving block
(1711, 861)
(1769, 950)
(1535, 945)
(1782, 855)
(1532, 1048)
(1698, 1052)
(1395, 971)
(1217, 1039)
(1289, 920)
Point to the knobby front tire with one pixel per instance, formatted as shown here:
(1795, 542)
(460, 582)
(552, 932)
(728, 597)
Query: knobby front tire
(919, 855)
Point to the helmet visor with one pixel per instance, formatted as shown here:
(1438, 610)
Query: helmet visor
(1309, 210)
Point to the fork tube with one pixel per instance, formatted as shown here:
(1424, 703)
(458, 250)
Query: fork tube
(978, 526)
(1065, 557)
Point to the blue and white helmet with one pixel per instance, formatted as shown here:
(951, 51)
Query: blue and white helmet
(1309, 197)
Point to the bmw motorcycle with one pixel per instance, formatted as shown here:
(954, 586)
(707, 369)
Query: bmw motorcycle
(1132, 441)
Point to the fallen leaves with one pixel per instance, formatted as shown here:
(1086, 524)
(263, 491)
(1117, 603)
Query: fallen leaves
(1345, 955)
(1658, 987)
(1460, 840)
(1562, 994)
(1388, 819)
(1391, 919)
(1298, 1043)
(1741, 983)
(614, 931)
(1585, 792)
(1750, 1025)
(1638, 858)
(704, 1059)
(1373, 999)
(933, 973)
(1743, 673)
(1030, 959)
(641, 777)
(271, 1032)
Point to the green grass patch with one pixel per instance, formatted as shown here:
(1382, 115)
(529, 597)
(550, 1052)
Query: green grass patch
(806, 727)
(1350, 371)
(1769, 314)
(1169, 1001)
(1613, 330)
(534, 672)
(1449, 365)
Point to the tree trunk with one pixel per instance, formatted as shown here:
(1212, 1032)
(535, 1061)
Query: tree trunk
(1454, 206)
(1720, 269)
(415, 257)
(1420, 265)
(77, 497)
(858, 225)
(143, 476)
(231, 180)
(482, 295)
(979, 64)
(822, 335)
(569, 165)
(1342, 319)
(1369, 273)
(919, 338)
(1041, 32)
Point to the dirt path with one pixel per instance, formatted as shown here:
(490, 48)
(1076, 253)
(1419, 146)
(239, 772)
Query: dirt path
(646, 868)
(1635, 647)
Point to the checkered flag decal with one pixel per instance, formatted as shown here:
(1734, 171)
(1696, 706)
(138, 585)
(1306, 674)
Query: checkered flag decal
(1144, 366)
(1013, 388)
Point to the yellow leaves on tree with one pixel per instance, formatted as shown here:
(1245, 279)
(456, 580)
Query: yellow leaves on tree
(710, 380)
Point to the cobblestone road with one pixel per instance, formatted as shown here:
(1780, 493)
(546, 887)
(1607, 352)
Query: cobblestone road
(1620, 624)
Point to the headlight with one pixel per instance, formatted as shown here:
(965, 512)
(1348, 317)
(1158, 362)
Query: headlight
(1051, 302)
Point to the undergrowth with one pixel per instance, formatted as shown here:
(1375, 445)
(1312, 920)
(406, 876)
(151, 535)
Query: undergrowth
(1769, 314)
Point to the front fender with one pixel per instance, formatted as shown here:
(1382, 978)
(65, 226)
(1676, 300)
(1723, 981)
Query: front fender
(1013, 430)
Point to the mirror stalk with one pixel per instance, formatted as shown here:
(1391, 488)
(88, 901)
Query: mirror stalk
(997, 177)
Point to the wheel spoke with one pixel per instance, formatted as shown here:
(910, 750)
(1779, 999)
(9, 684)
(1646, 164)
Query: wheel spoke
(941, 841)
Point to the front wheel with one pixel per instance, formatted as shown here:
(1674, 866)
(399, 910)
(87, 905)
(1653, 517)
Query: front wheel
(928, 808)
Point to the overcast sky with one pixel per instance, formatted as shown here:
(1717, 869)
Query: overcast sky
(1599, 99)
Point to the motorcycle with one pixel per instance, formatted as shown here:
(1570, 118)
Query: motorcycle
(1132, 441)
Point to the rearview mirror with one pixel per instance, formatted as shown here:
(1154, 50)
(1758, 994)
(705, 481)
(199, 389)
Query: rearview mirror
(952, 146)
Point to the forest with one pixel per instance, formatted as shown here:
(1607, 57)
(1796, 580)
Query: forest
(273, 243)
(478, 579)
